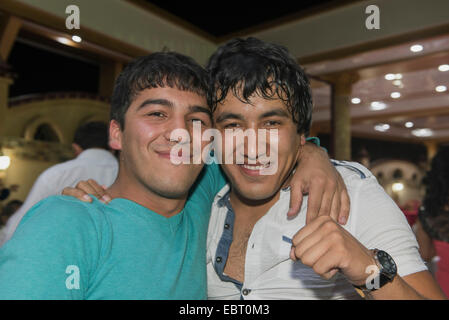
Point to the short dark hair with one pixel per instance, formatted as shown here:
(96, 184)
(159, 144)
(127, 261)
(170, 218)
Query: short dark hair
(248, 66)
(155, 70)
(92, 135)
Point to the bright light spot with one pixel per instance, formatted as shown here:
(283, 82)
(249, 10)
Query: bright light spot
(356, 100)
(390, 76)
(63, 40)
(398, 76)
(5, 161)
(440, 88)
(398, 186)
(409, 124)
(416, 48)
(397, 83)
(395, 95)
(382, 127)
(444, 67)
(376, 105)
(422, 132)
(76, 39)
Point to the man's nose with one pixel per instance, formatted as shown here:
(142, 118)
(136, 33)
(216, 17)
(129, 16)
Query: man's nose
(177, 131)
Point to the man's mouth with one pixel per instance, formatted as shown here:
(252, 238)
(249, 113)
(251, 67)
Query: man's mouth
(255, 166)
(253, 169)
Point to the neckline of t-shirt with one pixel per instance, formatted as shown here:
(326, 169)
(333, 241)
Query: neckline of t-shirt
(124, 204)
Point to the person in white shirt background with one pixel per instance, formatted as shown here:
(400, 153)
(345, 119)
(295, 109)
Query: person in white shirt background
(93, 160)
(254, 251)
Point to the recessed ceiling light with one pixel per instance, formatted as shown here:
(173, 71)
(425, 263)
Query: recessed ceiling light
(76, 38)
(409, 124)
(382, 127)
(397, 83)
(398, 76)
(376, 105)
(416, 48)
(390, 76)
(425, 132)
(444, 67)
(63, 40)
(440, 88)
(395, 95)
(356, 100)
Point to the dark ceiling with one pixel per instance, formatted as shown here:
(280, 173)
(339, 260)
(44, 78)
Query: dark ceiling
(220, 18)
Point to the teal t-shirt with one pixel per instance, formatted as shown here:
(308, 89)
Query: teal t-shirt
(68, 249)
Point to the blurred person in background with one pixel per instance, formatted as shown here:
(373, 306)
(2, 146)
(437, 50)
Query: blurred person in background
(432, 226)
(5, 192)
(10, 208)
(93, 160)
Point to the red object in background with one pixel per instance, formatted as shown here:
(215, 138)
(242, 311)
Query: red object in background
(410, 210)
(442, 274)
(411, 216)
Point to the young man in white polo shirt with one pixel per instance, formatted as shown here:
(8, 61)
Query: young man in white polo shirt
(254, 251)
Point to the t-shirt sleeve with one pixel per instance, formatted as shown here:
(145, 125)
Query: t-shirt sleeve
(52, 253)
(379, 223)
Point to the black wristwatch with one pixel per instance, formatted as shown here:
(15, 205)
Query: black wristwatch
(387, 271)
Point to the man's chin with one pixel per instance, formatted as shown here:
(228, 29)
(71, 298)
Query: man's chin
(172, 193)
(260, 193)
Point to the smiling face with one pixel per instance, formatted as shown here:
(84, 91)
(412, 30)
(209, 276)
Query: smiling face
(145, 140)
(246, 179)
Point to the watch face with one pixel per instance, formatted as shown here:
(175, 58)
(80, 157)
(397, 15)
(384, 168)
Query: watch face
(388, 265)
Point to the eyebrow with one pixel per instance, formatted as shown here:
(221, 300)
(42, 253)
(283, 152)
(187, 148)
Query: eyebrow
(229, 115)
(168, 103)
(162, 102)
(276, 112)
(193, 109)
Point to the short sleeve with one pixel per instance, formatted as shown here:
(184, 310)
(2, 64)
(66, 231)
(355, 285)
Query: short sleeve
(379, 223)
(52, 253)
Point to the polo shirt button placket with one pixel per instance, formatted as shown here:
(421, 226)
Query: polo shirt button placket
(218, 259)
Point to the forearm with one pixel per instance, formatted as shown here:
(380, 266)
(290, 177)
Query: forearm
(418, 286)
(398, 289)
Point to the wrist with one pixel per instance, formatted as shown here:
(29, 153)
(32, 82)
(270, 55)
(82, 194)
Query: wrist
(382, 272)
(369, 268)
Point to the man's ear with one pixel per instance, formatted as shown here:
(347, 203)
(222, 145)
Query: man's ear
(303, 140)
(115, 135)
(76, 149)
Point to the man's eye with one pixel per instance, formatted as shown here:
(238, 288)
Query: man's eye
(156, 114)
(272, 123)
(231, 125)
(199, 120)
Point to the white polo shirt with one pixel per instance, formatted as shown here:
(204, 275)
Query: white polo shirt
(374, 220)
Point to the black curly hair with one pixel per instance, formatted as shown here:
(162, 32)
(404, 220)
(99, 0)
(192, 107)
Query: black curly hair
(248, 66)
(437, 184)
